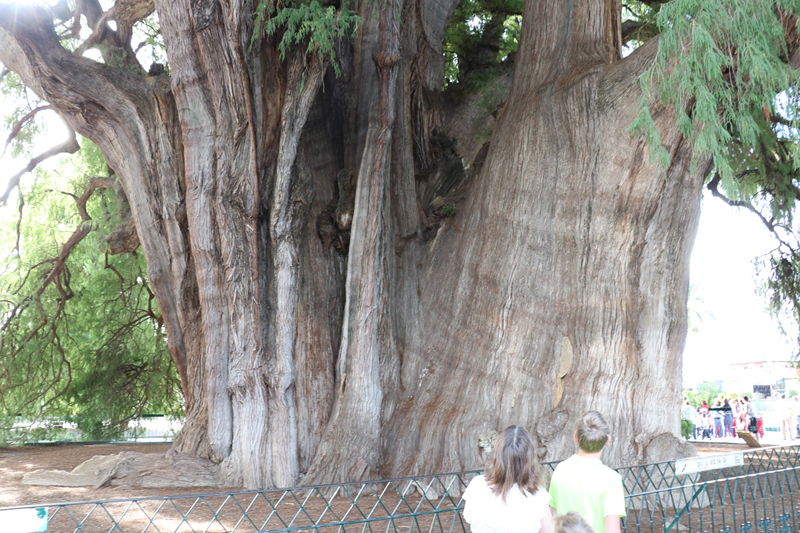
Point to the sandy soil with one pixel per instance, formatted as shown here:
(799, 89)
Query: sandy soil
(16, 462)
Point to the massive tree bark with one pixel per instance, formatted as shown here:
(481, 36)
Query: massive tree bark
(324, 320)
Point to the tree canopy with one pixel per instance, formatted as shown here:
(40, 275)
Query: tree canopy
(82, 335)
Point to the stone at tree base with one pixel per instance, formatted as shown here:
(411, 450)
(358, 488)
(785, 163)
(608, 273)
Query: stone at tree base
(667, 447)
(663, 447)
(133, 469)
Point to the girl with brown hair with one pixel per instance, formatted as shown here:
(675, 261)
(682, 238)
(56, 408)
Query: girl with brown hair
(510, 497)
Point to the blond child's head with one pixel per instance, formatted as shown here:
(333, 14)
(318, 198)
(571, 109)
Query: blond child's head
(571, 522)
(591, 432)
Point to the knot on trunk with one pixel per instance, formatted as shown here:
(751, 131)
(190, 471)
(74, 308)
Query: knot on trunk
(123, 240)
(551, 424)
(347, 199)
(486, 444)
(385, 59)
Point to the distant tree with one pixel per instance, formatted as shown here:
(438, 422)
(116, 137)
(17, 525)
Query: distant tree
(707, 390)
(82, 336)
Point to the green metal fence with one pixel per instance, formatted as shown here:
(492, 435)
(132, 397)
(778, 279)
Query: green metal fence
(757, 497)
(760, 496)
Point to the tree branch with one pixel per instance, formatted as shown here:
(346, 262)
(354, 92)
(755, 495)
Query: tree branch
(636, 29)
(777, 119)
(80, 232)
(70, 146)
(713, 187)
(77, 236)
(20, 123)
(19, 221)
(111, 267)
(126, 13)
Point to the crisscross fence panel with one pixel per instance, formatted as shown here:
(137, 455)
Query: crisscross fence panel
(760, 496)
(423, 504)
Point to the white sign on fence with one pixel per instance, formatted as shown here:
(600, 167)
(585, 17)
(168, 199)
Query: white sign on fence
(711, 462)
(24, 520)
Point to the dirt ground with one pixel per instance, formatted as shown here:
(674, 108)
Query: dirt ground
(16, 462)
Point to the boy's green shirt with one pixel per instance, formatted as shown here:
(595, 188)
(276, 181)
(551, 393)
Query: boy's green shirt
(589, 487)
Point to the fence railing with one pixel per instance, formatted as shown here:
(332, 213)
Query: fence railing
(760, 496)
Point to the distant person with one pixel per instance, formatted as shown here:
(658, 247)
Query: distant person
(703, 409)
(752, 415)
(785, 412)
(687, 411)
(727, 418)
(572, 522)
(705, 426)
(698, 425)
(718, 422)
(794, 406)
(741, 419)
(510, 497)
(584, 484)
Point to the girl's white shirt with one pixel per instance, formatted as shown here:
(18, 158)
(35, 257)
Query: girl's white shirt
(522, 512)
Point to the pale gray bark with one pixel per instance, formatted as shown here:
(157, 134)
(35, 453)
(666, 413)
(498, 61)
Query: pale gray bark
(283, 418)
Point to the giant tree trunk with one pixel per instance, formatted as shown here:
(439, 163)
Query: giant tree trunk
(324, 320)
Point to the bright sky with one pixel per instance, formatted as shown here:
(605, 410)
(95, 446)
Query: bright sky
(739, 328)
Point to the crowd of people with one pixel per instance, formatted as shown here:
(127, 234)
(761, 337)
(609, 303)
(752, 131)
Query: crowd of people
(585, 496)
(731, 415)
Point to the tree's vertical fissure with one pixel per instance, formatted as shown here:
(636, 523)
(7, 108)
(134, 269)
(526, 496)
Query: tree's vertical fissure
(350, 448)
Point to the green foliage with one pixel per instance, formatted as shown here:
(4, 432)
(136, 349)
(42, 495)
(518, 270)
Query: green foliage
(645, 17)
(89, 347)
(151, 48)
(21, 101)
(306, 21)
(707, 390)
(510, 41)
(481, 34)
(724, 66)
(721, 64)
(447, 211)
(687, 429)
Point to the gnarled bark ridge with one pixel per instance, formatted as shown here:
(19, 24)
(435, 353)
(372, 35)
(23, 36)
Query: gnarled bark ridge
(337, 329)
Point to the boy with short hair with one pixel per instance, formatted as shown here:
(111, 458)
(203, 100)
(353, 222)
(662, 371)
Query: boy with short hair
(584, 484)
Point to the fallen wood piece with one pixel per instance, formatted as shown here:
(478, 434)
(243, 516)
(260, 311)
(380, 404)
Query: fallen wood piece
(749, 439)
